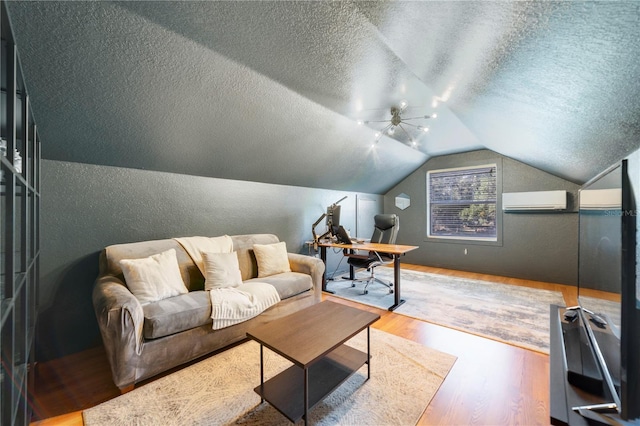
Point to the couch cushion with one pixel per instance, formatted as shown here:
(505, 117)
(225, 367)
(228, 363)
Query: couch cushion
(272, 259)
(153, 278)
(243, 245)
(196, 246)
(176, 314)
(288, 283)
(221, 270)
(112, 255)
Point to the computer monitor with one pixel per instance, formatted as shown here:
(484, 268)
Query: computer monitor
(341, 234)
(332, 220)
(333, 217)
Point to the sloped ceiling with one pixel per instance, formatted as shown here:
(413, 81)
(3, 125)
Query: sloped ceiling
(272, 91)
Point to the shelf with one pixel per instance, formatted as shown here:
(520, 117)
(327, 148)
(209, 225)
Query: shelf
(285, 391)
(19, 386)
(5, 310)
(564, 395)
(19, 236)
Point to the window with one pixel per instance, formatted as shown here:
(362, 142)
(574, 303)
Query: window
(461, 203)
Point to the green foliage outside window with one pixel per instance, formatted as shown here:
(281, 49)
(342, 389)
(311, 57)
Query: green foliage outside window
(462, 202)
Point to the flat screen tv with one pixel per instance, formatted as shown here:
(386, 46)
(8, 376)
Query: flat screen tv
(608, 292)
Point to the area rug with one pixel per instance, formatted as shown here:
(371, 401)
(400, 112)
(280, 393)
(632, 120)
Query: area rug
(507, 313)
(219, 390)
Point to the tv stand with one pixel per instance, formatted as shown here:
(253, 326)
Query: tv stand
(571, 404)
(582, 365)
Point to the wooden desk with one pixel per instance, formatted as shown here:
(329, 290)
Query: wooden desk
(394, 250)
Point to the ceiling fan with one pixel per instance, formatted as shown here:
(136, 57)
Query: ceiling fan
(398, 122)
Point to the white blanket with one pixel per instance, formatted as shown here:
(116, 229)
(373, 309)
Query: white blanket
(232, 305)
(195, 246)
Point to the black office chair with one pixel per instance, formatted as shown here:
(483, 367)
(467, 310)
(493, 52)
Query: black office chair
(385, 231)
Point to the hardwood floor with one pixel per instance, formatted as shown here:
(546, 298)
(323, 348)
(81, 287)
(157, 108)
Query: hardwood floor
(491, 383)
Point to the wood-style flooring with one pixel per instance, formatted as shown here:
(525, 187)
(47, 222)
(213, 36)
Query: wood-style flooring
(491, 383)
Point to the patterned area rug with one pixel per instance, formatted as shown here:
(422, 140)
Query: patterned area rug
(507, 313)
(219, 390)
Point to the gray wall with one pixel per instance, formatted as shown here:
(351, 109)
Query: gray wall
(535, 246)
(87, 207)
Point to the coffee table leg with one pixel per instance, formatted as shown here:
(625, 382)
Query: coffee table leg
(306, 396)
(261, 374)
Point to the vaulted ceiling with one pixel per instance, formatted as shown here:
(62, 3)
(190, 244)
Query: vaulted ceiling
(273, 91)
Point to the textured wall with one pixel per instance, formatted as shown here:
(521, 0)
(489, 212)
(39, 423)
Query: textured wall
(87, 207)
(536, 246)
(270, 91)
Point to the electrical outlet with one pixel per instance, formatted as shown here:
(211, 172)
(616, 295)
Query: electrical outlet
(465, 251)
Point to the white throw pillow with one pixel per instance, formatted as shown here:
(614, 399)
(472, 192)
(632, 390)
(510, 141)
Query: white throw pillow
(195, 246)
(221, 270)
(272, 259)
(154, 278)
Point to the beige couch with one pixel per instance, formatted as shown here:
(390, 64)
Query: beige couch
(142, 341)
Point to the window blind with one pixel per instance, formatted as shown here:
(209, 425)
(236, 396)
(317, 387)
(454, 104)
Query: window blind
(462, 202)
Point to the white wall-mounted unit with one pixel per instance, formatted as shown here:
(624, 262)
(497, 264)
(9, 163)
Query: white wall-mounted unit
(601, 199)
(535, 200)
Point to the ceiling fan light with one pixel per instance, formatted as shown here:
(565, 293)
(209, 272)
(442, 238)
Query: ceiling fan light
(396, 121)
(434, 115)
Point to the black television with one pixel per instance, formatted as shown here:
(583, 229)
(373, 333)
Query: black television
(608, 291)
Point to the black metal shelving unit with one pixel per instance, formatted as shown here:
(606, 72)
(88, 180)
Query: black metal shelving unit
(19, 235)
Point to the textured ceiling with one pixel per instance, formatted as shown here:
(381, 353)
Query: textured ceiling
(271, 91)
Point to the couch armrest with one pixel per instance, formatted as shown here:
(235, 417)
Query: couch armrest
(308, 265)
(120, 318)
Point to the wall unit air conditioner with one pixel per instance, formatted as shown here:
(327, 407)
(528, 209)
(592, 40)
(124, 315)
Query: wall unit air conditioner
(535, 200)
(601, 199)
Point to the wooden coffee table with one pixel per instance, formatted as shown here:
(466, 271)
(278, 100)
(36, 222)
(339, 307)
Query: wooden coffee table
(312, 339)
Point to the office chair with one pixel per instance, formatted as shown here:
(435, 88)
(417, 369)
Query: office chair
(385, 231)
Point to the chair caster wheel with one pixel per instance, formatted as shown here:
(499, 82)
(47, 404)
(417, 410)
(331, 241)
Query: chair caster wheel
(365, 292)
(390, 291)
(353, 285)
